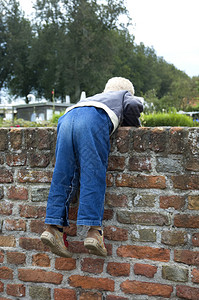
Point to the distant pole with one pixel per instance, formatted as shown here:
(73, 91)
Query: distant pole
(53, 98)
(13, 111)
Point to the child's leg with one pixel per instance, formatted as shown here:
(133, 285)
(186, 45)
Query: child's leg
(92, 145)
(65, 181)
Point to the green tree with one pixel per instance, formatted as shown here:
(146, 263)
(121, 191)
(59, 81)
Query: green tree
(17, 34)
(76, 36)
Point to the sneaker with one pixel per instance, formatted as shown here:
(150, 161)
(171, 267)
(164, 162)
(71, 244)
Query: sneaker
(55, 239)
(95, 242)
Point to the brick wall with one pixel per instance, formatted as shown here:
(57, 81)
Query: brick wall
(151, 219)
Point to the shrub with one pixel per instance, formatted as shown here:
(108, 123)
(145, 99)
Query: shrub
(56, 117)
(192, 108)
(167, 119)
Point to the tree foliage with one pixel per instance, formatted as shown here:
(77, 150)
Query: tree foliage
(74, 46)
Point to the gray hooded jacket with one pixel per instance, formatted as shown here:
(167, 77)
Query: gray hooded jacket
(122, 108)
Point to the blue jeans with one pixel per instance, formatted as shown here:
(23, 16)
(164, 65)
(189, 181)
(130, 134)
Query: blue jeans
(82, 151)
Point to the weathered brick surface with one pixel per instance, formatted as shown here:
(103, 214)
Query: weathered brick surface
(16, 258)
(187, 292)
(17, 290)
(146, 288)
(144, 252)
(145, 270)
(30, 275)
(150, 219)
(39, 293)
(64, 294)
(90, 283)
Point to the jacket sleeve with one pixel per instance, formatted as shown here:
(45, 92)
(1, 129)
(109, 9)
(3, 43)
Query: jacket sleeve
(132, 107)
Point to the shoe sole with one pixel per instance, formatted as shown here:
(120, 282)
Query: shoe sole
(94, 247)
(49, 240)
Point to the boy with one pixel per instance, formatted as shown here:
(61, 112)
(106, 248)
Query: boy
(82, 149)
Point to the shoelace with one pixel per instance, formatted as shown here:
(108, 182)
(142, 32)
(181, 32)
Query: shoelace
(65, 239)
(100, 232)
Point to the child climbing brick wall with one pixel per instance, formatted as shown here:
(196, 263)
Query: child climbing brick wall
(150, 222)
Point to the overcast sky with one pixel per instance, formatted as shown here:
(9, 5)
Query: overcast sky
(171, 27)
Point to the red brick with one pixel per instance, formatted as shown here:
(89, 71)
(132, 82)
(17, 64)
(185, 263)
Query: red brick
(108, 214)
(6, 176)
(176, 140)
(31, 138)
(147, 138)
(32, 244)
(143, 252)
(66, 264)
(39, 160)
(1, 288)
(184, 182)
(186, 221)
(18, 225)
(158, 140)
(41, 260)
(145, 270)
(195, 239)
(64, 294)
(28, 211)
(29, 275)
(16, 258)
(6, 273)
(17, 193)
(195, 275)
(90, 296)
(187, 292)
(91, 265)
(77, 247)
(139, 163)
(141, 139)
(7, 241)
(47, 138)
(123, 138)
(6, 208)
(16, 290)
(33, 176)
(116, 163)
(114, 200)
(115, 234)
(187, 257)
(87, 283)
(176, 202)
(146, 288)
(1, 257)
(118, 269)
(16, 138)
(141, 181)
(109, 180)
(15, 160)
(37, 226)
(112, 297)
